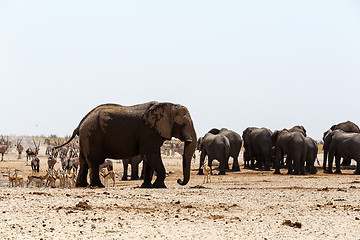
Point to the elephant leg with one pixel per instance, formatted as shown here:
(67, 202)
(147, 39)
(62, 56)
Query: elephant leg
(81, 180)
(94, 176)
(226, 164)
(148, 174)
(235, 166)
(330, 163)
(357, 171)
(210, 165)
(337, 164)
(125, 166)
(134, 170)
(202, 159)
(277, 159)
(346, 162)
(324, 160)
(246, 158)
(252, 162)
(222, 167)
(158, 166)
(289, 164)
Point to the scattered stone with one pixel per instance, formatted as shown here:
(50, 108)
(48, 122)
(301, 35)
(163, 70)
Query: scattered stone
(93, 226)
(291, 224)
(83, 206)
(356, 218)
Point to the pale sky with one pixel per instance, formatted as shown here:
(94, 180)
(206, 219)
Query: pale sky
(233, 64)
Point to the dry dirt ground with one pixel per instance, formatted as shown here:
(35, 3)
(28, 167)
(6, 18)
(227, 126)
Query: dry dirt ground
(241, 205)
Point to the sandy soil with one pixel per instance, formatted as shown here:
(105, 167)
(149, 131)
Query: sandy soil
(241, 205)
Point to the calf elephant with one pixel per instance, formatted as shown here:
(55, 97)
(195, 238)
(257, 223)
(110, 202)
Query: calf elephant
(118, 132)
(215, 147)
(235, 146)
(342, 145)
(134, 162)
(294, 146)
(258, 145)
(311, 155)
(347, 126)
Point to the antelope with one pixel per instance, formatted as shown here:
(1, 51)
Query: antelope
(39, 179)
(35, 163)
(32, 152)
(51, 162)
(61, 176)
(51, 179)
(207, 172)
(108, 175)
(19, 180)
(12, 179)
(19, 148)
(70, 179)
(72, 164)
(3, 147)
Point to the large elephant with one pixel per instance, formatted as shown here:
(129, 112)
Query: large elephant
(235, 146)
(343, 145)
(258, 145)
(311, 149)
(134, 162)
(215, 147)
(293, 145)
(118, 132)
(347, 126)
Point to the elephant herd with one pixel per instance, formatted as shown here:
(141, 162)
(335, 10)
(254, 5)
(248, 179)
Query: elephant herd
(122, 132)
(264, 148)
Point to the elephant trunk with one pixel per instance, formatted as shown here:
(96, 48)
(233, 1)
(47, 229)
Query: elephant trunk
(189, 149)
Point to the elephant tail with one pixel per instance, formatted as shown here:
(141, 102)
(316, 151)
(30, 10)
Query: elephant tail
(75, 133)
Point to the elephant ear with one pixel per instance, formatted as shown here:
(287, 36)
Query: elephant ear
(158, 116)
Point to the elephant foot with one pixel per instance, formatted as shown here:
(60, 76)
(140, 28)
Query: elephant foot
(236, 169)
(357, 172)
(146, 185)
(97, 185)
(338, 172)
(222, 173)
(200, 172)
(159, 184)
(277, 172)
(267, 169)
(124, 178)
(134, 178)
(81, 184)
(328, 172)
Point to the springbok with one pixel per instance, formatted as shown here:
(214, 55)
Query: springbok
(39, 179)
(12, 179)
(108, 175)
(19, 180)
